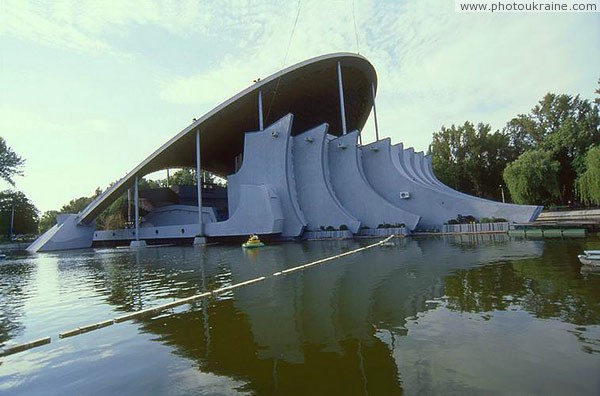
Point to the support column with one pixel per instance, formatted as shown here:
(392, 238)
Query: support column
(199, 239)
(260, 112)
(375, 112)
(128, 207)
(136, 201)
(341, 90)
(12, 222)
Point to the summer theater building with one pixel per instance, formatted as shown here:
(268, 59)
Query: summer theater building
(290, 149)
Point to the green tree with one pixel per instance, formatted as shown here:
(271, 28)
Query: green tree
(471, 158)
(10, 163)
(78, 204)
(26, 215)
(588, 183)
(183, 177)
(47, 220)
(563, 125)
(187, 177)
(533, 178)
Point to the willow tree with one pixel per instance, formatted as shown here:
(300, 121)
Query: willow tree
(565, 126)
(588, 183)
(533, 178)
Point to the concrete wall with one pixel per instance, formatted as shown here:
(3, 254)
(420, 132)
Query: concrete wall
(179, 231)
(441, 203)
(435, 207)
(268, 161)
(355, 193)
(318, 202)
(65, 235)
(178, 214)
(258, 212)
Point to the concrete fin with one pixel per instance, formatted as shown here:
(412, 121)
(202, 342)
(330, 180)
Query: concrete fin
(67, 234)
(353, 190)
(456, 201)
(268, 161)
(315, 194)
(259, 212)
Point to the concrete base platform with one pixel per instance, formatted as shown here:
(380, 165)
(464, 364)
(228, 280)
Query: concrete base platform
(137, 244)
(199, 241)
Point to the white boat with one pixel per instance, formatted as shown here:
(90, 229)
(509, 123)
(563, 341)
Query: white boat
(590, 259)
(591, 252)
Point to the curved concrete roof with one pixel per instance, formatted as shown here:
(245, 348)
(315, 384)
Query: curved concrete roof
(308, 90)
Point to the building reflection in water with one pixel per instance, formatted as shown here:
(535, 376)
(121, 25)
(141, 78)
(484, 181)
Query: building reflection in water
(320, 330)
(380, 321)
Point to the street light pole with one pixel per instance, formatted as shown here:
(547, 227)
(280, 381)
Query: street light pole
(12, 222)
(502, 191)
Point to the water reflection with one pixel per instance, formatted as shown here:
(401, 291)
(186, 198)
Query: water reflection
(548, 287)
(370, 323)
(319, 331)
(14, 279)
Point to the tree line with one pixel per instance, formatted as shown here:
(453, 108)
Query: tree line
(550, 156)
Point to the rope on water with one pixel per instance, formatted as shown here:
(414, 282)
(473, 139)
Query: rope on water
(159, 308)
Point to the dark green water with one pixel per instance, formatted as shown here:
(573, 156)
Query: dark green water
(487, 315)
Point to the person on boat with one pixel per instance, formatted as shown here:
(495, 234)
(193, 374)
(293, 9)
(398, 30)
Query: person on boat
(253, 238)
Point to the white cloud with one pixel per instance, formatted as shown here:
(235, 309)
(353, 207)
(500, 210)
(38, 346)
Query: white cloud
(38, 22)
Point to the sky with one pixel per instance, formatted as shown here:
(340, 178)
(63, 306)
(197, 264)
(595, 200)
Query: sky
(89, 89)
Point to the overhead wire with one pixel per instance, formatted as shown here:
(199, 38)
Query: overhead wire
(287, 51)
(355, 30)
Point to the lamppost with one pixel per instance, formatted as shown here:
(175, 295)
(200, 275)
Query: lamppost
(12, 222)
(502, 191)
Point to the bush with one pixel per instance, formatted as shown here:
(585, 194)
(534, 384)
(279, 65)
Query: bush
(492, 220)
(343, 227)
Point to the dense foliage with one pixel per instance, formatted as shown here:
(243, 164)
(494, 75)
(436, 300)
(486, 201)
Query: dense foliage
(588, 183)
(555, 138)
(25, 214)
(533, 178)
(471, 158)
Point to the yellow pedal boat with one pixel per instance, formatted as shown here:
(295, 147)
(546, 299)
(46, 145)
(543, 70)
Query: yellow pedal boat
(253, 242)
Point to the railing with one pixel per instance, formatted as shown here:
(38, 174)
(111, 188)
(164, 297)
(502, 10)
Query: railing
(475, 228)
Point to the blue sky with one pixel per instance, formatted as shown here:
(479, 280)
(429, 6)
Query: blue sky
(88, 89)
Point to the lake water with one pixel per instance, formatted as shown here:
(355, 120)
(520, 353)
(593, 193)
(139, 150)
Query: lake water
(472, 315)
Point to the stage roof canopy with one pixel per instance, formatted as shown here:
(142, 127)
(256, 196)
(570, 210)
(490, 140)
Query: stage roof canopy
(308, 90)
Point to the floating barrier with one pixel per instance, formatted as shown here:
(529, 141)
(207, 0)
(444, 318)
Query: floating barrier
(85, 329)
(160, 308)
(25, 346)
